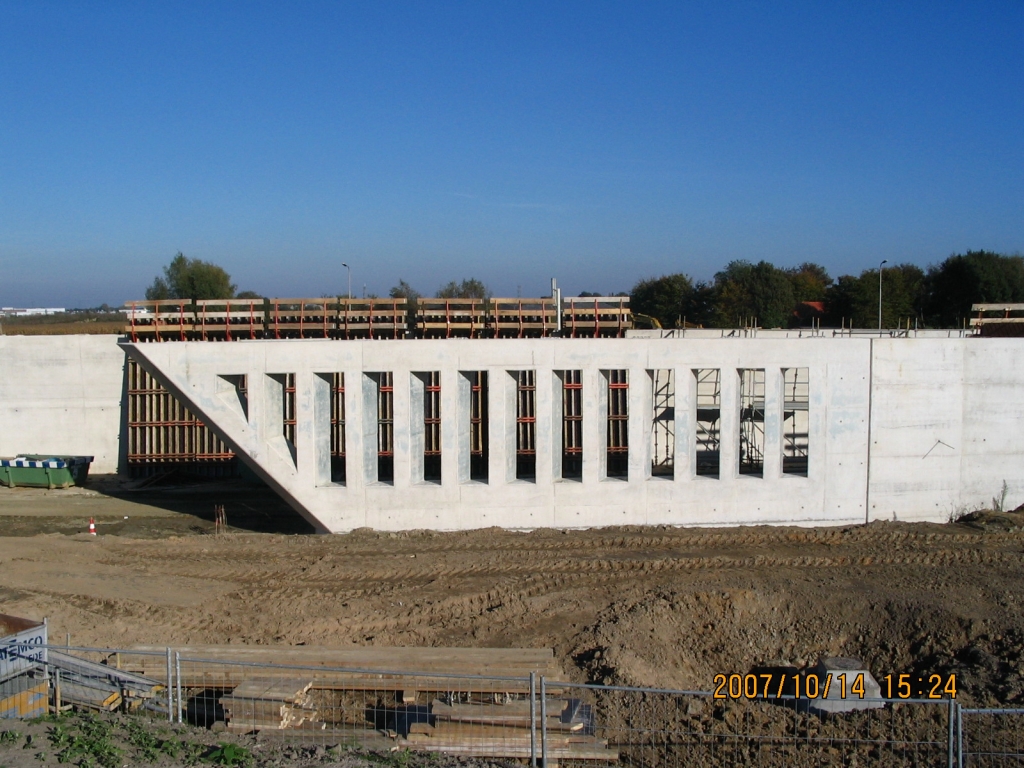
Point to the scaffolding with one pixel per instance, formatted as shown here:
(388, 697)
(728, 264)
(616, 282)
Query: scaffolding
(617, 465)
(526, 425)
(572, 425)
(431, 426)
(708, 427)
(751, 418)
(385, 427)
(478, 426)
(164, 436)
(391, 318)
(663, 431)
(795, 427)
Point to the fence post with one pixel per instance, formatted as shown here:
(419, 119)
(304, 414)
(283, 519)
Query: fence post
(177, 680)
(544, 722)
(949, 736)
(959, 736)
(170, 688)
(533, 720)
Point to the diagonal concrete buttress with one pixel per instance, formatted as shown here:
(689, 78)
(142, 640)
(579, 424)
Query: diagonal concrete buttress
(205, 378)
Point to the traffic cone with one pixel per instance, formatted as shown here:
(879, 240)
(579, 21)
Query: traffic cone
(92, 527)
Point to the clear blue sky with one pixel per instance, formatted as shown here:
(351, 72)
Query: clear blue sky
(595, 142)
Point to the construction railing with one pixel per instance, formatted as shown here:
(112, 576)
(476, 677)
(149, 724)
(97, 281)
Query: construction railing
(517, 711)
(341, 318)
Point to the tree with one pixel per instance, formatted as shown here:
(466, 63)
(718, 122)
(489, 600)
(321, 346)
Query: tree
(810, 282)
(970, 278)
(747, 292)
(671, 299)
(853, 301)
(186, 278)
(467, 289)
(249, 295)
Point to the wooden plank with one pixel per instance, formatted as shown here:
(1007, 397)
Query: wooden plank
(498, 748)
(279, 689)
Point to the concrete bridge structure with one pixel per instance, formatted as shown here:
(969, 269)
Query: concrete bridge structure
(804, 431)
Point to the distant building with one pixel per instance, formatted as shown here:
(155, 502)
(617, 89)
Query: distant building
(25, 312)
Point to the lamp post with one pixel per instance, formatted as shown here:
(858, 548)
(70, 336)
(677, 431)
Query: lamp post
(349, 269)
(884, 262)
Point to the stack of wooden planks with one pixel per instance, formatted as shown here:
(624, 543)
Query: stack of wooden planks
(373, 669)
(278, 703)
(504, 730)
(101, 686)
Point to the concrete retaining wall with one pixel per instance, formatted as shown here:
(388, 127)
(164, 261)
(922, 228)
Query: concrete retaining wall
(914, 429)
(62, 395)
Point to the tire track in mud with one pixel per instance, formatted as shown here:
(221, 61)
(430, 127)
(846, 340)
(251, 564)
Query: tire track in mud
(561, 577)
(246, 559)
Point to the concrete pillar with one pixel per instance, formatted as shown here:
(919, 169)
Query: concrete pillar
(501, 417)
(355, 416)
(417, 393)
(686, 424)
(318, 443)
(456, 427)
(368, 425)
(641, 424)
(555, 414)
(403, 428)
(545, 435)
(452, 417)
(730, 425)
(595, 425)
(773, 393)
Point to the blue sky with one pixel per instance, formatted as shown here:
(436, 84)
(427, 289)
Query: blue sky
(595, 142)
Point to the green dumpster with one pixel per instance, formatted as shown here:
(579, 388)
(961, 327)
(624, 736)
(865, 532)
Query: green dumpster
(44, 471)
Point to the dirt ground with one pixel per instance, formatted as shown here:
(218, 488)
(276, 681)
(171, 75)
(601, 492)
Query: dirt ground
(637, 606)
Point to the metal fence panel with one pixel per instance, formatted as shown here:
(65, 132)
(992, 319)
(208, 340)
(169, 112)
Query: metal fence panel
(991, 738)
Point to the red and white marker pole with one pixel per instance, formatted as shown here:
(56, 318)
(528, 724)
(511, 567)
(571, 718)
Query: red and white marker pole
(92, 527)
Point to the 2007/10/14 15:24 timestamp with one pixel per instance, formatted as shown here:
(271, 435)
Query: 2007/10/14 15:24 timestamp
(905, 686)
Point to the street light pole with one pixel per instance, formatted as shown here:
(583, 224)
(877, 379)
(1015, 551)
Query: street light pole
(347, 267)
(884, 262)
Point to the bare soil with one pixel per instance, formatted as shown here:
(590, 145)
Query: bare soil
(659, 606)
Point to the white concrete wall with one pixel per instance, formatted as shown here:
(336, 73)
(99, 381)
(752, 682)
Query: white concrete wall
(833, 491)
(946, 425)
(62, 395)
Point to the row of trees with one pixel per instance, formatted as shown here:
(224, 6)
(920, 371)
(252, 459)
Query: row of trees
(742, 293)
(771, 297)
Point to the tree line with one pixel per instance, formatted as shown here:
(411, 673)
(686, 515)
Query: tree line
(743, 293)
(771, 297)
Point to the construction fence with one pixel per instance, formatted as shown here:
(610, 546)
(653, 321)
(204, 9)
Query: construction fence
(528, 717)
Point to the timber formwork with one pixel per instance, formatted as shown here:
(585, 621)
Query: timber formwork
(328, 318)
(164, 436)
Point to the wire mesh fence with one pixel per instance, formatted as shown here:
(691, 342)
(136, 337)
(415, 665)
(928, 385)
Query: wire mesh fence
(527, 718)
(654, 727)
(990, 738)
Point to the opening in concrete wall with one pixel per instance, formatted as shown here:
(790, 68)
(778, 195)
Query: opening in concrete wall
(751, 418)
(233, 389)
(329, 428)
(795, 425)
(478, 426)
(617, 444)
(663, 426)
(572, 425)
(338, 468)
(708, 405)
(379, 439)
(526, 425)
(279, 411)
(431, 398)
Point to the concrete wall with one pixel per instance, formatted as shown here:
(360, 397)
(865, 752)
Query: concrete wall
(944, 419)
(832, 492)
(947, 426)
(62, 395)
